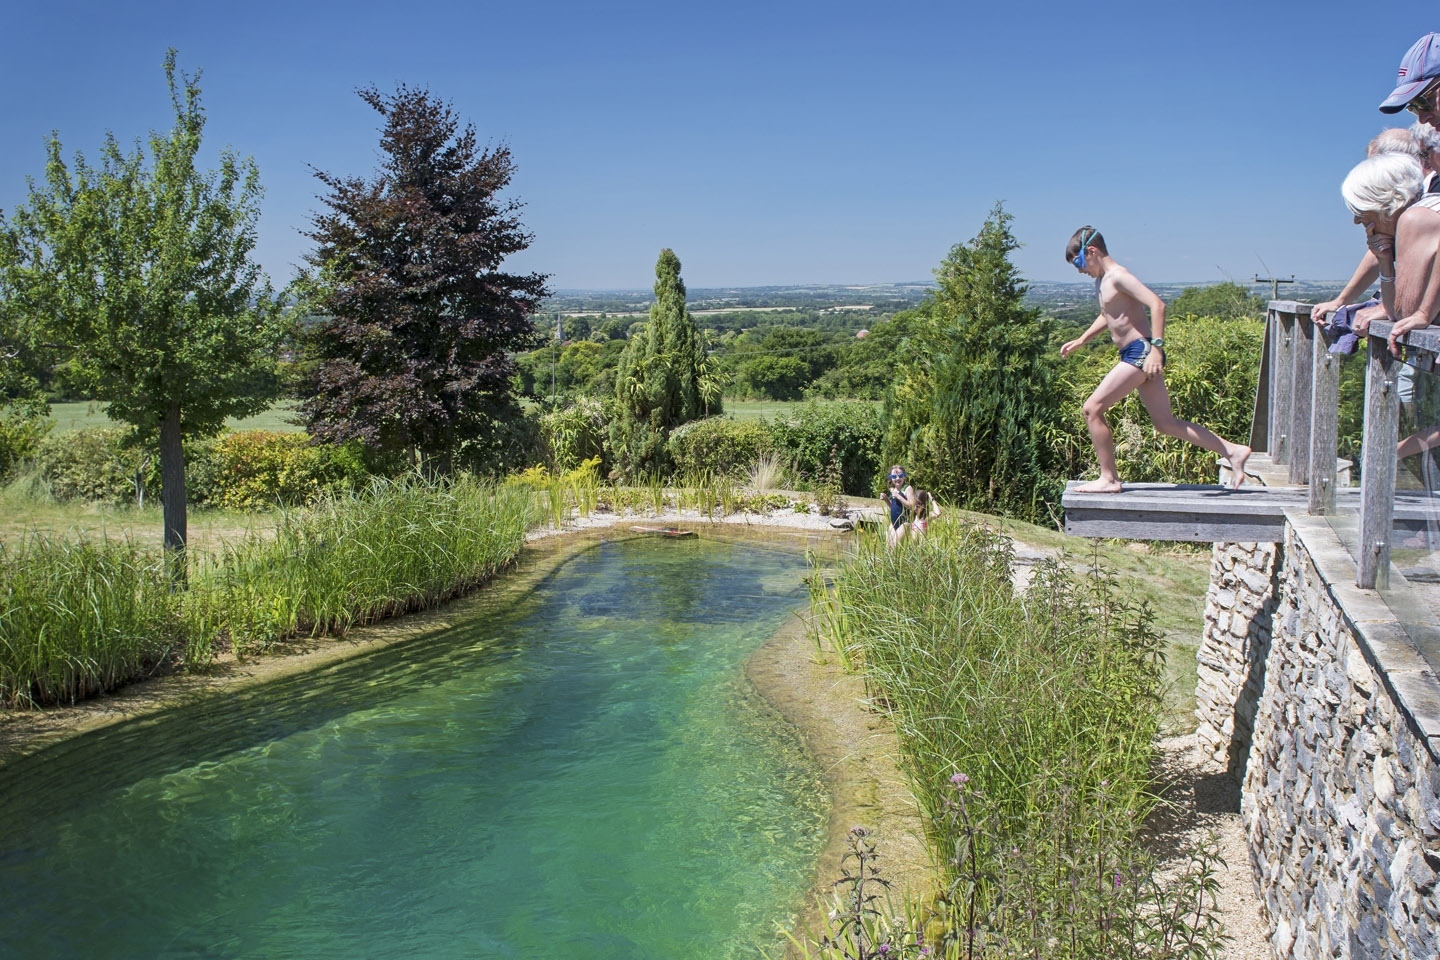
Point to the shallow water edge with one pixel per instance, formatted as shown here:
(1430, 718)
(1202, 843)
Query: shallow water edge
(853, 745)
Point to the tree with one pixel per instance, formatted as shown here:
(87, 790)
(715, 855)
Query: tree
(664, 378)
(973, 387)
(1227, 301)
(413, 351)
(142, 274)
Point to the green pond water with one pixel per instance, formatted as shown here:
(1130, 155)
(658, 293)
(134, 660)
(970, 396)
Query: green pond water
(582, 772)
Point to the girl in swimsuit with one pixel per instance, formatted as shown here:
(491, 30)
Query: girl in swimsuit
(901, 498)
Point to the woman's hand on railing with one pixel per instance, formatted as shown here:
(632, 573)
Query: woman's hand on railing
(1320, 311)
(1416, 321)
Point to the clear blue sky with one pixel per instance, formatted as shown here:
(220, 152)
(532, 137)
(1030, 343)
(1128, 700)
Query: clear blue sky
(768, 143)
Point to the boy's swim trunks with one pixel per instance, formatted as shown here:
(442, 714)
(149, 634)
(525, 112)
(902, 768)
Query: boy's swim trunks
(1135, 352)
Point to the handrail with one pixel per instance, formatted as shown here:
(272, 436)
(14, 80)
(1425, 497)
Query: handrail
(1382, 429)
(1298, 367)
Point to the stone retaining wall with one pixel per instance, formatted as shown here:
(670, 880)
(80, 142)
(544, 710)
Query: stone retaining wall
(1341, 792)
(1239, 609)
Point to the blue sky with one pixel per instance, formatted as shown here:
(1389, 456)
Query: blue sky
(771, 143)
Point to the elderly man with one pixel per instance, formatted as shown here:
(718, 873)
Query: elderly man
(1418, 82)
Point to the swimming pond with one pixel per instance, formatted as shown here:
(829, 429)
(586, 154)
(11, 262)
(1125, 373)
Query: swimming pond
(584, 773)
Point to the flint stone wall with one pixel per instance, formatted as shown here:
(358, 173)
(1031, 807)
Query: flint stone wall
(1239, 610)
(1341, 781)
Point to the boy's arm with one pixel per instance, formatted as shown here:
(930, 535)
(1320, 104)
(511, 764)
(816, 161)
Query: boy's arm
(1086, 337)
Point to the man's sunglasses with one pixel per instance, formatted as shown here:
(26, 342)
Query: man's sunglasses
(1425, 101)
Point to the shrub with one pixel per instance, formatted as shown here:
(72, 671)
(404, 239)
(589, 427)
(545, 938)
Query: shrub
(718, 445)
(22, 428)
(256, 469)
(100, 464)
(575, 434)
(816, 436)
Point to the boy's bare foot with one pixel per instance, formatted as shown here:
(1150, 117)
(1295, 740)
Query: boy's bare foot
(1099, 486)
(1237, 466)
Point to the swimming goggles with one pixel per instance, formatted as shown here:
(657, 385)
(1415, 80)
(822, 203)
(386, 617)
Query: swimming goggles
(1079, 260)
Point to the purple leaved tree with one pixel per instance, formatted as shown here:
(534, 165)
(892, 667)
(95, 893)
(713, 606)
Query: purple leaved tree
(415, 322)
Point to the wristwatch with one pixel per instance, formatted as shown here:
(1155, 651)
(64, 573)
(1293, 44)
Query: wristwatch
(1158, 342)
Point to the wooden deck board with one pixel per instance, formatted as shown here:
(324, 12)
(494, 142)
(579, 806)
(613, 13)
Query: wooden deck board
(1211, 514)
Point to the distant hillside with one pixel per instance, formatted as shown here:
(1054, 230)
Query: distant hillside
(1070, 301)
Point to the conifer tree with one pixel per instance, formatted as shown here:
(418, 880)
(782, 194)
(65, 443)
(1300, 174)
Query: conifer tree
(664, 378)
(973, 389)
(419, 323)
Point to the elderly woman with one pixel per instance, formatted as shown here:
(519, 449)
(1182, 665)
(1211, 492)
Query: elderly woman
(1402, 230)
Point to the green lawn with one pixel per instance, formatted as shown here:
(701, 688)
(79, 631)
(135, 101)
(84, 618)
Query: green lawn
(78, 416)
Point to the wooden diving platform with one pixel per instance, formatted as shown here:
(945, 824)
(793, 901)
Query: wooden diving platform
(1209, 514)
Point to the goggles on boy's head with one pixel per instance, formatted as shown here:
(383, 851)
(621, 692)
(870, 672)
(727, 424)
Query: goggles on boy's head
(1079, 260)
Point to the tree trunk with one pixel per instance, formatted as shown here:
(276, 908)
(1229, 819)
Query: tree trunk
(172, 491)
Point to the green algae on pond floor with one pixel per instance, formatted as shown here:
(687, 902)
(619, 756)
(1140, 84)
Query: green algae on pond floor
(583, 775)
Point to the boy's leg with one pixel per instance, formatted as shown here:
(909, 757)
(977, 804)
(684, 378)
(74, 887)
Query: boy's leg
(1156, 397)
(1117, 385)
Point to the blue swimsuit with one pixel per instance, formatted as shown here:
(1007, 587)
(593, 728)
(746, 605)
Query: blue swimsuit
(1135, 352)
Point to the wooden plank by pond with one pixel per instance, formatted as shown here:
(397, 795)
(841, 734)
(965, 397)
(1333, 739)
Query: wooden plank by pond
(673, 532)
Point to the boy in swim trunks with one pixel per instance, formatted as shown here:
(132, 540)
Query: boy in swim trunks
(1123, 302)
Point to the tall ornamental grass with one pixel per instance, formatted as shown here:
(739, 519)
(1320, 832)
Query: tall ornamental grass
(397, 546)
(1026, 721)
(78, 617)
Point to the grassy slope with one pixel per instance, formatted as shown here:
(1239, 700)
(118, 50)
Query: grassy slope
(1174, 577)
(78, 416)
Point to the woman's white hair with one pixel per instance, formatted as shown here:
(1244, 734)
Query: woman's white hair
(1385, 183)
(1427, 136)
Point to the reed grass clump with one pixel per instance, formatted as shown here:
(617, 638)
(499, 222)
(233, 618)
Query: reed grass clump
(397, 546)
(80, 616)
(1026, 722)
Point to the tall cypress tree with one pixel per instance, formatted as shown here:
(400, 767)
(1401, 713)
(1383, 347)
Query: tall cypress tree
(420, 323)
(664, 378)
(973, 389)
